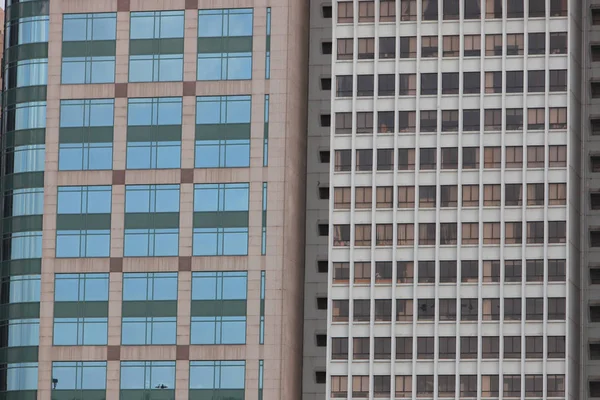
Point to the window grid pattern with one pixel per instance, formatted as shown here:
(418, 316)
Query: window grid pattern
(415, 150)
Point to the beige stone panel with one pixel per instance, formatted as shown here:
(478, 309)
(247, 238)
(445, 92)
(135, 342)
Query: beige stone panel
(150, 264)
(224, 263)
(221, 175)
(218, 352)
(153, 177)
(190, 46)
(155, 353)
(81, 265)
(122, 48)
(113, 379)
(186, 212)
(223, 88)
(184, 299)
(188, 132)
(182, 379)
(78, 353)
(115, 297)
(156, 5)
(120, 134)
(117, 221)
(155, 89)
(84, 6)
(84, 178)
(95, 91)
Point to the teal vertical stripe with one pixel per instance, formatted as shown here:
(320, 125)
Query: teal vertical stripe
(268, 46)
(263, 247)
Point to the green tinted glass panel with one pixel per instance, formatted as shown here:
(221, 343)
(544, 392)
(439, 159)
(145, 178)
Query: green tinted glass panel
(26, 223)
(225, 308)
(92, 48)
(222, 131)
(31, 266)
(25, 137)
(95, 134)
(164, 220)
(141, 394)
(70, 222)
(216, 394)
(20, 311)
(79, 394)
(19, 395)
(156, 46)
(232, 44)
(19, 354)
(24, 180)
(157, 133)
(156, 308)
(25, 94)
(26, 52)
(77, 309)
(26, 9)
(224, 219)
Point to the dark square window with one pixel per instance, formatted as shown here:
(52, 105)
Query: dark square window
(324, 156)
(323, 229)
(325, 120)
(322, 266)
(327, 12)
(321, 303)
(326, 47)
(326, 83)
(323, 193)
(320, 376)
(321, 340)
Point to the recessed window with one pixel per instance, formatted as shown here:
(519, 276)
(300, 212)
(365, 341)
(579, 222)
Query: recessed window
(324, 193)
(324, 156)
(595, 313)
(325, 83)
(323, 229)
(322, 266)
(321, 303)
(320, 376)
(327, 12)
(326, 47)
(595, 238)
(595, 86)
(321, 340)
(595, 16)
(325, 120)
(595, 276)
(595, 385)
(594, 351)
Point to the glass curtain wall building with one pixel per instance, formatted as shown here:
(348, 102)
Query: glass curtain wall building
(454, 239)
(153, 185)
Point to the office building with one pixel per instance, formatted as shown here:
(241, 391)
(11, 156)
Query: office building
(455, 200)
(153, 186)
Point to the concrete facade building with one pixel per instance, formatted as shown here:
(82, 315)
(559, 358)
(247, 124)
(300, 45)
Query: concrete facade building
(455, 199)
(153, 186)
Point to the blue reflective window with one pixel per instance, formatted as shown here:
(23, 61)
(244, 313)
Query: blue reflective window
(81, 287)
(149, 330)
(219, 285)
(89, 240)
(91, 28)
(27, 30)
(156, 68)
(94, 153)
(157, 24)
(157, 149)
(30, 158)
(29, 72)
(223, 110)
(147, 374)
(26, 202)
(23, 332)
(226, 152)
(24, 245)
(151, 242)
(80, 331)
(82, 27)
(220, 241)
(225, 22)
(217, 374)
(24, 288)
(225, 65)
(221, 197)
(219, 329)
(20, 376)
(87, 113)
(93, 69)
(79, 375)
(151, 198)
(150, 286)
(30, 115)
(84, 199)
